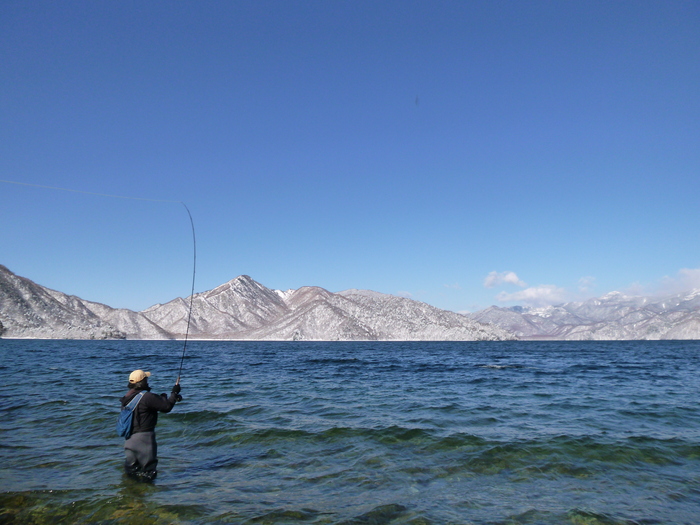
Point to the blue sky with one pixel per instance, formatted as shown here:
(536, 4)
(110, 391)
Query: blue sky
(463, 154)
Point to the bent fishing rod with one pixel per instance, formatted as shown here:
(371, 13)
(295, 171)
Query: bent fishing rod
(194, 273)
(194, 246)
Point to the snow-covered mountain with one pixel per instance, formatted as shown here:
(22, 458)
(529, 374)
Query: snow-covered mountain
(245, 309)
(614, 316)
(239, 309)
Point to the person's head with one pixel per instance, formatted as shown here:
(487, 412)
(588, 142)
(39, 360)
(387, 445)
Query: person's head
(138, 380)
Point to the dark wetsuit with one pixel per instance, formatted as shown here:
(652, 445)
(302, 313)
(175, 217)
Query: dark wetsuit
(141, 448)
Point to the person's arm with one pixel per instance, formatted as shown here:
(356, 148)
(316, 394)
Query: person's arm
(163, 403)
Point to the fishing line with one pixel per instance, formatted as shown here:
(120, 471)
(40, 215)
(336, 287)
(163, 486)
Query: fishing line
(91, 193)
(194, 244)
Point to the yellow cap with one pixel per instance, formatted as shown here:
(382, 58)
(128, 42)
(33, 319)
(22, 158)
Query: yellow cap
(138, 375)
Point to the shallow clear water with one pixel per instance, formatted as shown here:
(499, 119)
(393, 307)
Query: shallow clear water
(459, 433)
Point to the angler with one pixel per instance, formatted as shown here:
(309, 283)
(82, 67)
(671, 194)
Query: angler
(141, 448)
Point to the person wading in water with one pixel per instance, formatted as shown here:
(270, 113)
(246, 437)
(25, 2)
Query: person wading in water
(141, 448)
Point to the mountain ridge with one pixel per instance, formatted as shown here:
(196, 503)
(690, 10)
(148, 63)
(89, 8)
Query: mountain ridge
(243, 309)
(240, 309)
(613, 316)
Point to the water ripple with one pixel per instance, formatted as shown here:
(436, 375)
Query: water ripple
(359, 433)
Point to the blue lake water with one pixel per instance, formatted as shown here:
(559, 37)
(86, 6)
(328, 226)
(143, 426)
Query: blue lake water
(358, 433)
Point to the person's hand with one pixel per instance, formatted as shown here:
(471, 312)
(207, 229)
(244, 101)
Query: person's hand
(176, 388)
(178, 398)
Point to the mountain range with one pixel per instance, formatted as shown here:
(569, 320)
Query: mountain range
(614, 316)
(243, 309)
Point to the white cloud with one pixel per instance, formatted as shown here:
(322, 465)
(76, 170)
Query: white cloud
(687, 279)
(586, 284)
(636, 288)
(454, 286)
(544, 295)
(496, 278)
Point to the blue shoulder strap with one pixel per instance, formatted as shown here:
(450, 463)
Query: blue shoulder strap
(135, 401)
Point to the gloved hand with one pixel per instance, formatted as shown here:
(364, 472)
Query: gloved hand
(178, 398)
(176, 388)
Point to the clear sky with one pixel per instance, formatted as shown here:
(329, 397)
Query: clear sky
(460, 153)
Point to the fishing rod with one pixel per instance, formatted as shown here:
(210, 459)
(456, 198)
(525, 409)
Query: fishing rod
(194, 273)
(194, 245)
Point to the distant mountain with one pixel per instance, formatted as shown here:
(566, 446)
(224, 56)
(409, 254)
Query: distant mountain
(614, 316)
(239, 309)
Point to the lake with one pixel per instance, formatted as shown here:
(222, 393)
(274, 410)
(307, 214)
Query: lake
(357, 433)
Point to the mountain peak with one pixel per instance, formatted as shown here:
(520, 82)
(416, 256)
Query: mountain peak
(244, 279)
(240, 309)
(245, 309)
(613, 296)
